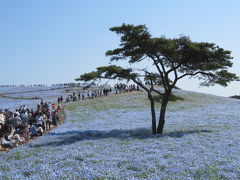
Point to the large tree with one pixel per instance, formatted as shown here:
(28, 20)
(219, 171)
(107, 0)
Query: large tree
(172, 58)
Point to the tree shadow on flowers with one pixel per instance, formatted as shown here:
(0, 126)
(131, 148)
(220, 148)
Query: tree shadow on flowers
(70, 137)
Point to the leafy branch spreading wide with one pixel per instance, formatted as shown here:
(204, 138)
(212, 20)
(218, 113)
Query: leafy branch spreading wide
(172, 59)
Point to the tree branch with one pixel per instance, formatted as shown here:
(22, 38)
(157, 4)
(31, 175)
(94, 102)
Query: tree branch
(193, 74)
(141, 85)
(160, 72)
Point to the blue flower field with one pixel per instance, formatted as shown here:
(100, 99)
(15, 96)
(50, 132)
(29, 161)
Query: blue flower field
(110, 138)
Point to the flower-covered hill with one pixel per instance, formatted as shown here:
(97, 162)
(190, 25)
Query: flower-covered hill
(110, 138)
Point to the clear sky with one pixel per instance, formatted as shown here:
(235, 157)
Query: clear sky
(53, 41)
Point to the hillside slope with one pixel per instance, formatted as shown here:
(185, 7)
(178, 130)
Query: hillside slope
(111, 138)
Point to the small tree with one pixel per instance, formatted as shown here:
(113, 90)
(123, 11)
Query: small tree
(180, 57)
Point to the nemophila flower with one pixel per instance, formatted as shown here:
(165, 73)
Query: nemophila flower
(98, 141)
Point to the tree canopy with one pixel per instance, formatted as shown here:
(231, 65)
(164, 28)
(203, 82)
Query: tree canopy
(172, 58)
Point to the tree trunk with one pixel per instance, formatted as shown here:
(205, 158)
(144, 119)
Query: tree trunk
(162, 113)
(154, 125)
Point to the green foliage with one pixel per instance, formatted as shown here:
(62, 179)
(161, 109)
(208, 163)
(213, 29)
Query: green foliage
(5, 178)
(131, 36)
(155, 78)
(133, 168)
(99, 178)
(17, 155)
(88, 76)
(171, 57)
(71, 107)
(79, 158)
(181, 56)
(206, 61)
(4, 167)
(158, 98)
(108, 72)
(236, 97)
(26, 173)
(208, 172)
(115, 72)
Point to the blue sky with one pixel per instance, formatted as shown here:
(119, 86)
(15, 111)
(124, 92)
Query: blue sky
(56, 41)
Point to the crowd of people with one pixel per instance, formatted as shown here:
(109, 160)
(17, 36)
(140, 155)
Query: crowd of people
(119, 87)
(23, 124)
(81, 95)
(98, 93)
(19, 126)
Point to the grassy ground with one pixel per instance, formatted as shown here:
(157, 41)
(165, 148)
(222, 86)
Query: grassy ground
(110, 138)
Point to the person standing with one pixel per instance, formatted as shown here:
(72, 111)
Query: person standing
(16, 121)
(39, 119)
